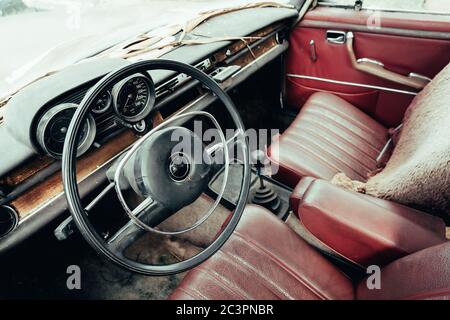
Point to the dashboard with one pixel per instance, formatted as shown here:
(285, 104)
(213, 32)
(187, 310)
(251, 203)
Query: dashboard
(36, 119)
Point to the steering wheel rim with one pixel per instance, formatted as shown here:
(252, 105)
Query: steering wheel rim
(69, 168)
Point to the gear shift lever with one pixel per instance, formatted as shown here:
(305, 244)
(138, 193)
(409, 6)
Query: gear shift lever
(258, 158)
(264, 195)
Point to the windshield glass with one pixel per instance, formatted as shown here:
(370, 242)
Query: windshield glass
(50, 34)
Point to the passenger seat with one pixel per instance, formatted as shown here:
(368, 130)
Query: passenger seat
(327, 137)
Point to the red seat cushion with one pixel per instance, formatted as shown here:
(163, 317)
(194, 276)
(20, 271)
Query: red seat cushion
(327, 137)
(252, 265)
(265, 259)
(419, 276)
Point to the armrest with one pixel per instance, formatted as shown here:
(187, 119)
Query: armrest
(361, 228)
(377, 69)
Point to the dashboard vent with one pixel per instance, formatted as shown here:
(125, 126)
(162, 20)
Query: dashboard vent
(204, 65)
(167, 87)
(106, 126)
(172, 84)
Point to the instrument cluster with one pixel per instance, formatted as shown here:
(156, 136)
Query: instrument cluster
(130, 100)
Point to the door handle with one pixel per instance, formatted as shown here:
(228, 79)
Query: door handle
(336, 37)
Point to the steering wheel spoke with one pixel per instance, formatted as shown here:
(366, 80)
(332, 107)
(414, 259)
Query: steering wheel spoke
(149, 212)
(99, 197)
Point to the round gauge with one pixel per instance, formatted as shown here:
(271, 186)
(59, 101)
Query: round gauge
(134, 97)
(103, 102)
(52, 130)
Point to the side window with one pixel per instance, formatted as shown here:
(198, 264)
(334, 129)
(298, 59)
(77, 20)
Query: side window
(421, 6)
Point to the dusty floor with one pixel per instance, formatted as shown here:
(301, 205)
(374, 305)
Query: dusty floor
(42, 274)
(38, 269)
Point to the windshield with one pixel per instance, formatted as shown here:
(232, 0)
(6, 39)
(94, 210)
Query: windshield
(50, 34)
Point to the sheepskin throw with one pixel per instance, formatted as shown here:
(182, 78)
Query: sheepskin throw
(418, 171)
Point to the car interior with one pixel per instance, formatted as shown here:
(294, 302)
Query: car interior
(324, 143)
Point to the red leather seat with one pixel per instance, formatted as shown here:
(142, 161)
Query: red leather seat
(252, 265)
(327, 137)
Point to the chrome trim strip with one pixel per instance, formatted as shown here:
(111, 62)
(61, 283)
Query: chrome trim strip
(353, 84)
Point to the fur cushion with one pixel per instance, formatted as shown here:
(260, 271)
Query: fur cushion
(418, 172)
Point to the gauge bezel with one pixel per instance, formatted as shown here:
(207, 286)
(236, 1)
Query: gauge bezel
(46, 119)
(150, 101)
(108, 105)
(14, 217)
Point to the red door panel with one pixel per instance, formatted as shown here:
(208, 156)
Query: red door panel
(401, 54)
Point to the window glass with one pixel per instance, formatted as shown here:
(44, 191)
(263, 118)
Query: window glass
(435, 6)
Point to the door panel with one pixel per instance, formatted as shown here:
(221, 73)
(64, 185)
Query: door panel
(332, 70)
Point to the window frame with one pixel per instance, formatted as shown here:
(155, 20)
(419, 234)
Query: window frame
(325, 3)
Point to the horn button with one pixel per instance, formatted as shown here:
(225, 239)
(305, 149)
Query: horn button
(179, 166)
(171, 167)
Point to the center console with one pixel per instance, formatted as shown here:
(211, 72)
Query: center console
(263, 190)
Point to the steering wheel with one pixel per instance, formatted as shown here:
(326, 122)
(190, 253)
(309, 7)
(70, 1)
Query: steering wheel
(166, 178)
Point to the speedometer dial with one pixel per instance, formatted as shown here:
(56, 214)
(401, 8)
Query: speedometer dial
(134, 98)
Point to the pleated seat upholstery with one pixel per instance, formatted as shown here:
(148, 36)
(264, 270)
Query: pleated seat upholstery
(327, 137)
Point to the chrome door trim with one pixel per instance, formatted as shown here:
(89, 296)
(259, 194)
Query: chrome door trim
(353, 84)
